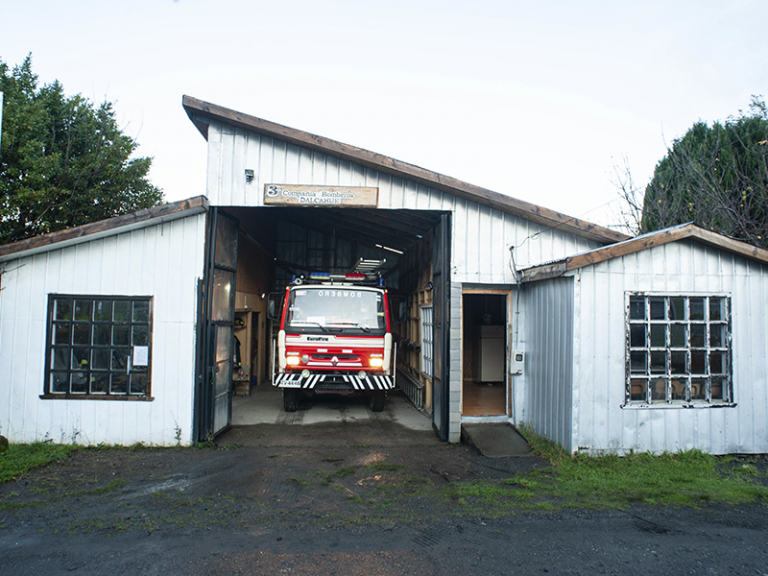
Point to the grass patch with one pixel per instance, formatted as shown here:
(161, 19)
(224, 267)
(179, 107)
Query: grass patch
(21, 458)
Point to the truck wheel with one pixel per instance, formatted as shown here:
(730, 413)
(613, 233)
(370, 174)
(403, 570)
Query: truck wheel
(290, 400)
(377, 401)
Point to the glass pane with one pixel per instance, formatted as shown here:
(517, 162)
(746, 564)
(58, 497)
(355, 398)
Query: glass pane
(62, 310)
(637, 389)
(678, 335)
(119, 384)
(226, 241)
(120, 359)
(59, 382)
(140, 335)
(677, 308)
(657, 309)
(677, 389)
(60, 360)
(100, 383)
(223, 377)
(698, 389)
(697, 335)
(717, 363)
(82, 334)
(121, 335)
(658, 390)
(717, 309)
(677, 363)
(658, 335)
(223, 343)
(637, 362)
(719, 390)
(122, 311)
(716, 335)
(141, 311)
(637, 335)
(100, 359)
(697, 308)
(80, 358)
(79, 382)
(222, 296)
(102, 310)
(658, 362)
(83, 310)
(698, 362)
(102, 334)
(138, 383)
(61, 334)
(636, 308)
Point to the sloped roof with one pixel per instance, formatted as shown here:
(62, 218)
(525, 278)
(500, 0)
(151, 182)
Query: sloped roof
(201, 112)
(643, 242)
(103, 228)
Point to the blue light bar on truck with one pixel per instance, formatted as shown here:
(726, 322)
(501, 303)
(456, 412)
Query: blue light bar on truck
(320, 275)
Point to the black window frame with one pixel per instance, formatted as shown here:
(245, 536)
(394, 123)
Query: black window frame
(102, 368)
(679, 350)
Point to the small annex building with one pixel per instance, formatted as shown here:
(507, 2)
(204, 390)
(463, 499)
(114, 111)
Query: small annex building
(122, 331)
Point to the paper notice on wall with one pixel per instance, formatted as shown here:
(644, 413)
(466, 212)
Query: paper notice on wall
(140, 355)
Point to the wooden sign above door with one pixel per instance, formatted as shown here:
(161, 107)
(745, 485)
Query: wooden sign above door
(331, 196)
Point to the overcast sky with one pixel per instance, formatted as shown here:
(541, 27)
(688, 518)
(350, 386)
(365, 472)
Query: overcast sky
(539, 100)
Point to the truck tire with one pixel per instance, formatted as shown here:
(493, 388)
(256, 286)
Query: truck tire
(290, 400)
(377, 401)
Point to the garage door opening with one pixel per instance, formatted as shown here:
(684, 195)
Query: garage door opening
(278, 243)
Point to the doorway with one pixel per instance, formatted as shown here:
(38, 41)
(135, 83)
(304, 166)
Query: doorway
(484, 352)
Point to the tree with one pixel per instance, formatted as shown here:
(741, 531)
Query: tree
(63, 161)
(715, 176)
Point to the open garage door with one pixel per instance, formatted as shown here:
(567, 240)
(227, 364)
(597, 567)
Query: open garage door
(441, 279)
(214, 391)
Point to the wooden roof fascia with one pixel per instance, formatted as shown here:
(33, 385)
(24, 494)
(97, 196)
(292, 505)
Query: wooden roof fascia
(95, 230)
(197, 108)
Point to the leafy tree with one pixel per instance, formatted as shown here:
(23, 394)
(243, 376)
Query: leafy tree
(63, 161)
(716, 176)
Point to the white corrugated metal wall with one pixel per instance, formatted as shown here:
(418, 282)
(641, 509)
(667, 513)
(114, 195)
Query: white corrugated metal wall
(684, 267)
(480, 236)
(549, 359)
(163, 261)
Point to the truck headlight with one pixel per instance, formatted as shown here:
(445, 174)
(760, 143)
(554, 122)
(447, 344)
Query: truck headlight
(376, 362)
(292, 360)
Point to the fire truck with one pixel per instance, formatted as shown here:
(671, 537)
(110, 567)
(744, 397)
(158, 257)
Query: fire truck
(334, 338)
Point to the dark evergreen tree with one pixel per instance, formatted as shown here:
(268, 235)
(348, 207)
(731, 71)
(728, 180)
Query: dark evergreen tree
(63, 161)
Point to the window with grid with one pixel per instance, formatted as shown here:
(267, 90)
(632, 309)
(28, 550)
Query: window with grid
(678, 349)
(426, 340)
(98, 347)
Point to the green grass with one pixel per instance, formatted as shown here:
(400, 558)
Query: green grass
(21, 458)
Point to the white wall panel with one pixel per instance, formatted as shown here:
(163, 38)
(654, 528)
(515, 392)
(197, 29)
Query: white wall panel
(162, 261)
(685, 267)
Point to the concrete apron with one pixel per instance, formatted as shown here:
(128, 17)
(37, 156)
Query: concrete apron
(495, 440)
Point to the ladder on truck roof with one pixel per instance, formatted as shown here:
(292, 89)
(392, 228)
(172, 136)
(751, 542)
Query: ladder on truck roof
(366, 266)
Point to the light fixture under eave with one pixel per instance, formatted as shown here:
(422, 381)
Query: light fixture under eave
(395, 250)
(248, 174)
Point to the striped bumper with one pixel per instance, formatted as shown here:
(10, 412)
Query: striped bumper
(321, 381)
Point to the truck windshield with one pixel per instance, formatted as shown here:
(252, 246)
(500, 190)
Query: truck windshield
(336, 310)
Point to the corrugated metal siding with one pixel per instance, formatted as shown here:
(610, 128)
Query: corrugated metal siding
(549, 359)
(685, 267)
(162, 261)
(481, 236)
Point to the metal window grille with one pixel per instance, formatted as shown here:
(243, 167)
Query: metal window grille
(98, 346)
(678, 349)
(426, 340)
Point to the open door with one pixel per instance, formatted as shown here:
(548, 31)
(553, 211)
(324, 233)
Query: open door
(441, 279)
(214, 393)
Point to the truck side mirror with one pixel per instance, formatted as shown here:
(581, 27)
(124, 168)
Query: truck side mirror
(273, 305)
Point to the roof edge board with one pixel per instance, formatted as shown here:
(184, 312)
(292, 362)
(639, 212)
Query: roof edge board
(197, 108)
(103, 228)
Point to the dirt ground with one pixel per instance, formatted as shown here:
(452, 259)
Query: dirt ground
(339, 500)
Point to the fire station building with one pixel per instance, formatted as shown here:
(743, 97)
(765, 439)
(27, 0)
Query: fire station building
(502, 311)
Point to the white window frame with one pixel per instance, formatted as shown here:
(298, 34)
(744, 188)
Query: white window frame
(427, 335)
(678, 350)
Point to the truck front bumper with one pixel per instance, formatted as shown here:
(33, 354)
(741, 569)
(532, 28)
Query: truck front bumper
(334, 382)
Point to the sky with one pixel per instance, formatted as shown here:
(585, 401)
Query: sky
(542, 101)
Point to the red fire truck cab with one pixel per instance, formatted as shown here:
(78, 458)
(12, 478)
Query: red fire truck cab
(334, 338)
